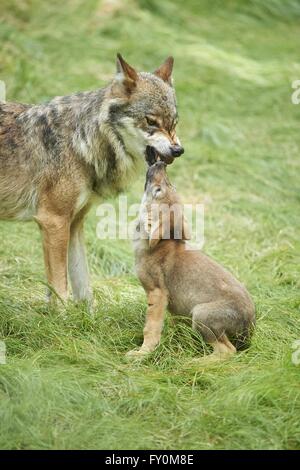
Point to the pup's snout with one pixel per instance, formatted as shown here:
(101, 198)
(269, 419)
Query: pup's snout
(177, 150)
(159, 166)
(156, 172)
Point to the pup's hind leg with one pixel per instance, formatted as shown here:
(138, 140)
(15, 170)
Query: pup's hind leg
(212, 320)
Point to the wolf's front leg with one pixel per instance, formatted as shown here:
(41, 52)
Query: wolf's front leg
(157, 303)
(77, 263)
(55, 232)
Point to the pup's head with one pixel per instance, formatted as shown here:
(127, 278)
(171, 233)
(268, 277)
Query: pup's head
(144, 111)
(158, 188)
(162, 214)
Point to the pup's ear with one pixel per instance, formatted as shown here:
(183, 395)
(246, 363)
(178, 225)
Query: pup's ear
(169, 225)
(165, 70)
(156, 233)
(126, 75)
(181, 228)
(186, 233)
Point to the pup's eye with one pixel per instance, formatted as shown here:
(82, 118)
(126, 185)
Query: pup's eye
(157, 191)
(151, 122)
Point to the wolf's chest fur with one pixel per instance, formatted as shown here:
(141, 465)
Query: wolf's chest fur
(70, 137)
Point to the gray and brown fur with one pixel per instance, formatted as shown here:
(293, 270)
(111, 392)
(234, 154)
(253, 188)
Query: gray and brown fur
(187, 282)
(56, 157)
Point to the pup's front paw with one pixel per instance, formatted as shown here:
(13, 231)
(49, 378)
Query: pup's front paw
(137, 353)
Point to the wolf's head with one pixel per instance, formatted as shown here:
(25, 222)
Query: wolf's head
(143, 110)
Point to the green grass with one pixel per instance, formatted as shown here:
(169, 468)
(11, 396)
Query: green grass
(66, 383)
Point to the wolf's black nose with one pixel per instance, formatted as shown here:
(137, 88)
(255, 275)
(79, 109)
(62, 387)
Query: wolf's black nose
(177, 150)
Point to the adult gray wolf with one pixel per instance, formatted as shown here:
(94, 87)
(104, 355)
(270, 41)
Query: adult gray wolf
(187, 282)
(56, 157)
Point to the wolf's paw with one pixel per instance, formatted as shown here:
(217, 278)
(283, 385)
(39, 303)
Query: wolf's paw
(136, 354)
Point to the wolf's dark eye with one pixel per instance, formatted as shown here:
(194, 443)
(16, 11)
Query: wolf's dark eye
(151, 122)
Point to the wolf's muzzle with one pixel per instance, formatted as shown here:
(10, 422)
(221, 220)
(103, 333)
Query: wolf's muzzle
(177, 150)
(152, 155)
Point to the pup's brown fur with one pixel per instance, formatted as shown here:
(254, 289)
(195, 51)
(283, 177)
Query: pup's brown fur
(187, 282)
(55, 157)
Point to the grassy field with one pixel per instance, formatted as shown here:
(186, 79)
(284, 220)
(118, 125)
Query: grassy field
(66, 383)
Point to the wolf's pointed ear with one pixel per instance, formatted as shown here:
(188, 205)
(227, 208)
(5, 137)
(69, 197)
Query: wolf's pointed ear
(126, 74)
(165, 70)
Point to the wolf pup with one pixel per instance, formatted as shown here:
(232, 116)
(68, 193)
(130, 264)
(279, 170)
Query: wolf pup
(187, 282)
(55, 157)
